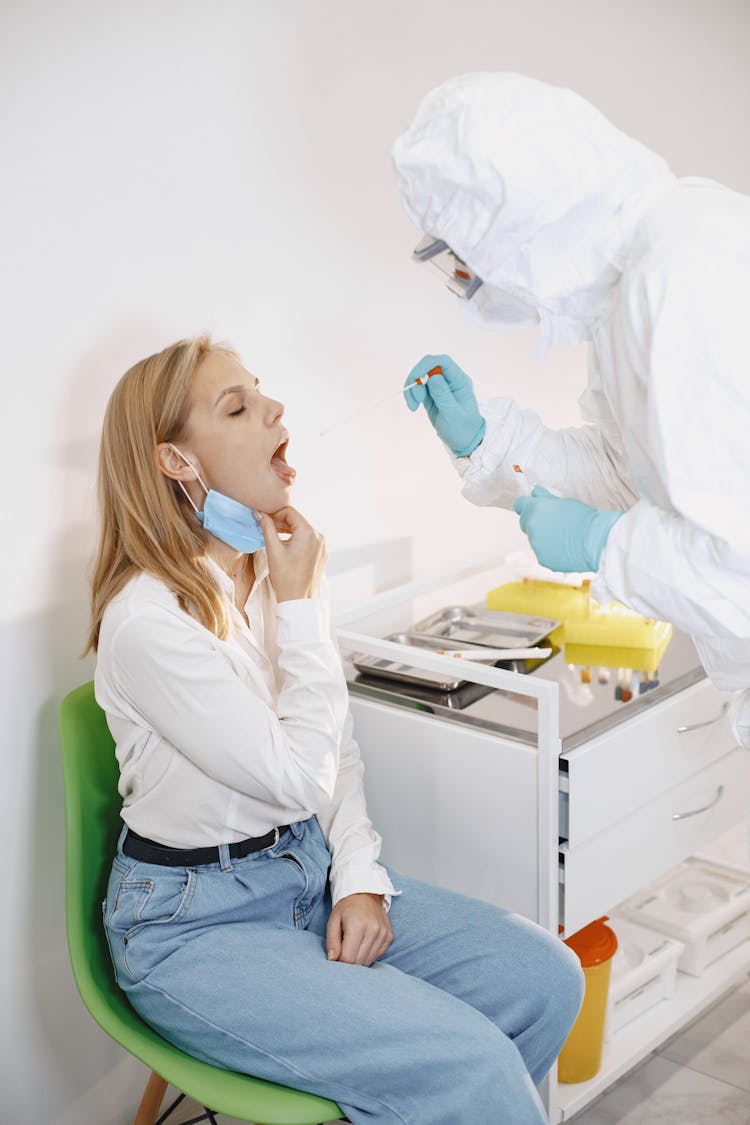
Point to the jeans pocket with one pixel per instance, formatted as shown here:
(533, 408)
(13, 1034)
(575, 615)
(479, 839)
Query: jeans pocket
(151, 901)
(312, 858)
(316, 852)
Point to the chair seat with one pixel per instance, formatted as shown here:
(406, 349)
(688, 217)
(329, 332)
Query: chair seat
(224, 1091)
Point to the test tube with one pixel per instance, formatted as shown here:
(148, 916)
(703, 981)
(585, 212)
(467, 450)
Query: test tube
(525, 487)
(627, 685)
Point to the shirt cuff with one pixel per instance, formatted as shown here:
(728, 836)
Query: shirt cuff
(302, 619)
(353, 880)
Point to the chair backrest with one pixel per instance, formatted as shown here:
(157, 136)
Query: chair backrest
(92, 825)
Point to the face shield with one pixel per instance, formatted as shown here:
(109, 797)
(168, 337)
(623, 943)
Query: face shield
(454, 272)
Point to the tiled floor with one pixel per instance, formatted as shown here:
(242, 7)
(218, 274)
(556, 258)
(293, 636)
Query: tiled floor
(700, 1077)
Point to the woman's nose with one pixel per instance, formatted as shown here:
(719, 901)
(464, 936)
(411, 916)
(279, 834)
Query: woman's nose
(275, 410)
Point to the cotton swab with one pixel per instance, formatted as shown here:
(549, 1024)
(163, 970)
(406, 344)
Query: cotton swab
(366, 409)
(495, 653)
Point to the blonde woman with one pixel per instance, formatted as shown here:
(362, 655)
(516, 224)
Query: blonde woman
(248, 918)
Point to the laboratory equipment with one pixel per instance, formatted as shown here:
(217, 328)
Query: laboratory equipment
(707, 908)
(424, 750)
(479, 653)
(581, 1055)
(644, 971)
(524, 484)
(489, 627)
(610, 636)
(397, 670)
(449, 633)
(419, 381)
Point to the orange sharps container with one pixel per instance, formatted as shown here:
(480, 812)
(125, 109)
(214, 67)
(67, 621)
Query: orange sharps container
(581, 1056)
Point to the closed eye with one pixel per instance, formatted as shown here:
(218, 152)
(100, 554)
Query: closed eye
(234, 413)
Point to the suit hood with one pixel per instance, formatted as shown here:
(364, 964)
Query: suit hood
(534, 188)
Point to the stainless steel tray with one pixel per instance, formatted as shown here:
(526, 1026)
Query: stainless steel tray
(394, 670)
(475, 625)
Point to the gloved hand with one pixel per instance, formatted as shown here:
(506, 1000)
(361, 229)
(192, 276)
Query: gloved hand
(564, 534)
(450, 403)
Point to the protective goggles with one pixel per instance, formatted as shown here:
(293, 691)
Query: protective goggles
(459, 277)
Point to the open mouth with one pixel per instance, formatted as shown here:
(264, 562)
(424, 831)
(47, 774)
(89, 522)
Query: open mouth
(283, 471)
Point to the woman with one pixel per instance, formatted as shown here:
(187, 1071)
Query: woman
(248, 919)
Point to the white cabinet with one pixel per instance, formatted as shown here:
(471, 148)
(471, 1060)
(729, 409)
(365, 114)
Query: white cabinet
(601, 871)
(557, 834)
(436, 823)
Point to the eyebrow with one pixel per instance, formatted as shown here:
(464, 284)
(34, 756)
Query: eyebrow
(232, 390)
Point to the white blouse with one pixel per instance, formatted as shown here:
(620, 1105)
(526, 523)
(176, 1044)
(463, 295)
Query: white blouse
(220, 740)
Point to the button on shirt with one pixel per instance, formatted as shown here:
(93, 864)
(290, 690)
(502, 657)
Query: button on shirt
(220, 740)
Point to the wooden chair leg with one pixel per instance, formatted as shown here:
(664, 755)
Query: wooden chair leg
(151, 1101)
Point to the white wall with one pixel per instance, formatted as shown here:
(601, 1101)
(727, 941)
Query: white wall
(177, 166)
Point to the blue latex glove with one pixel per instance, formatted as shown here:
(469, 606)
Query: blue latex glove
(450, 403)
(564, 534)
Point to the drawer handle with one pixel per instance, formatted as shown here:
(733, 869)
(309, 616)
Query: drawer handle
(706, 722)
(705, 808)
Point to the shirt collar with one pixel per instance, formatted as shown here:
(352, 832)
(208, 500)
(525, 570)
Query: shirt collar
(260, 562)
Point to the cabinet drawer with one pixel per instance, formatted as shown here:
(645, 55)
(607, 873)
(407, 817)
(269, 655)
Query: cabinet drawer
(613, 775)
(604, 870)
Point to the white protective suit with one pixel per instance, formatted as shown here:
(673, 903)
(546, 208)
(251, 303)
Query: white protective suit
(573, 224)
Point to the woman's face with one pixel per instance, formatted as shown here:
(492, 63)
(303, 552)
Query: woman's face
(235, 437)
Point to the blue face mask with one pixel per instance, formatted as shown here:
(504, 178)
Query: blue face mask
(234, 523)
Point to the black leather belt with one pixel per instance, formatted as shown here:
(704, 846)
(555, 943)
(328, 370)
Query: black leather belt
(138, 847)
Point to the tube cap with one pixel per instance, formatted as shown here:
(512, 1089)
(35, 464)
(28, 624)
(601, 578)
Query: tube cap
(594, 944)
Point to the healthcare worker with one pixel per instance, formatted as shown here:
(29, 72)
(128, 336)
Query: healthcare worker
(539, 211)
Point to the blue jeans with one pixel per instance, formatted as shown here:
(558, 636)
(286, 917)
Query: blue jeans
(457, 1022)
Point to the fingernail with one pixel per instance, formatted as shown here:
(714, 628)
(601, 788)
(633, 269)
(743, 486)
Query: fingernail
(331, 955)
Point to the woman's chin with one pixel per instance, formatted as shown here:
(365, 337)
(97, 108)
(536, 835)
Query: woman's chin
(277, 497)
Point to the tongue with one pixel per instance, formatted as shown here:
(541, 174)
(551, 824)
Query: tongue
(286, 472)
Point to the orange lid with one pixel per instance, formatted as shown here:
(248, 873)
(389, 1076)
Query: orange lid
(594, 944)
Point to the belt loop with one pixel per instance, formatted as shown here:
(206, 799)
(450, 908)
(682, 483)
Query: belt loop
(224, 857)
(121, 838)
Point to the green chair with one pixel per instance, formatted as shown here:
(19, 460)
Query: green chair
(92, 825)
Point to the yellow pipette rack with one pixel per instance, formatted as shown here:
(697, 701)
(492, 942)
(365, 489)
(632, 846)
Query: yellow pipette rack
(610, 636)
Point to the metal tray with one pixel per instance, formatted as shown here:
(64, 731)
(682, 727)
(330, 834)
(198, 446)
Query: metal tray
(395, 670)
(475, 625)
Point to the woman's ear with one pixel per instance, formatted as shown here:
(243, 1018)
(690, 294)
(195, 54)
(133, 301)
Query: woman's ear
(173, 465)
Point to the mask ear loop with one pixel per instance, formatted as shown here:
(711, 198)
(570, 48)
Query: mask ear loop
(182, 486)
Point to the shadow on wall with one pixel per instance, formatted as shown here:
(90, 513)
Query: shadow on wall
(357, 573)
(65, 1043)
(70, 1048)
(89, 386)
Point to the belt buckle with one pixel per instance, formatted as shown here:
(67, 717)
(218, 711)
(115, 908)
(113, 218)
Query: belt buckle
(275, 838)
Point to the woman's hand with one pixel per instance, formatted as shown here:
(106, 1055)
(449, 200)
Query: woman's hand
(296, 564)
(358, 931)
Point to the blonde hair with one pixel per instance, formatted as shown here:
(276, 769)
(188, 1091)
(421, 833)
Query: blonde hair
(146, 523)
